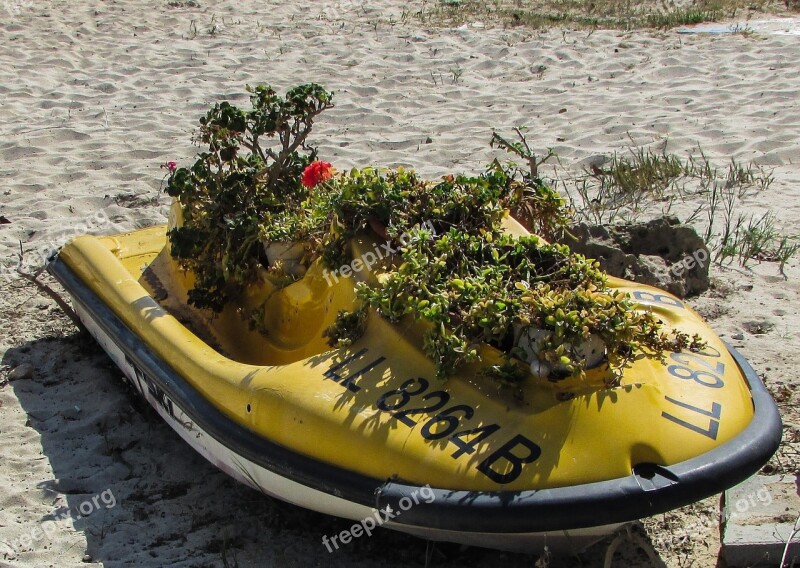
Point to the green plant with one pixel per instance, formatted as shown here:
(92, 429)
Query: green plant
(457, 72)
(745, 237)
(347, 327)
(585, 14)
(682, 17)
(399, 200)
(644, 172)
(472, 284)
(453, 268)
(745, 178)
(537, 206)
(475, 289)
(755, 238)
(625, 186)
(245, 188)
(213, 27)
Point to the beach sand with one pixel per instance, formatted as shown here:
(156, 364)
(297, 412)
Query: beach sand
(96, 95)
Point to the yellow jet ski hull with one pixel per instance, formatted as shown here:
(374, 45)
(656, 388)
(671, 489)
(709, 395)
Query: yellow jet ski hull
(359, 431)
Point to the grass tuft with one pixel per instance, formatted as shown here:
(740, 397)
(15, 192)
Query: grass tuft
(613, 14)
(629, 184)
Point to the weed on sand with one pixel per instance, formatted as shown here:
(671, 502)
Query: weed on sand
(591, 13)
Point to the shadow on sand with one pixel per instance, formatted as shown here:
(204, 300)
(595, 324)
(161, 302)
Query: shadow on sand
(142, 497)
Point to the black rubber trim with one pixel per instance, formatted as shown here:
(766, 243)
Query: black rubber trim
(651, 490)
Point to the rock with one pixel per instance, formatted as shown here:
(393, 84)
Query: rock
(595, 161)
(68, 486)
(737, 336)
(757, 516)
(540, 369)
(73, 413)
(21, 372)
(662, 253)
(530, 340)
(87, 558)
(758, 327)
(8, 552)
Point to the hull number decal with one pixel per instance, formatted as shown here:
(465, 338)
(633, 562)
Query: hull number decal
(145, 383)
(350, 381)
(696, 367)
(412, 404)
(713, 416)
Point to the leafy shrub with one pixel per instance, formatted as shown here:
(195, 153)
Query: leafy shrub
(455, 270)
(241, 191)
(477, 289)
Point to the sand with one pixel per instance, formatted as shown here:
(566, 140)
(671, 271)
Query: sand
(96, 95)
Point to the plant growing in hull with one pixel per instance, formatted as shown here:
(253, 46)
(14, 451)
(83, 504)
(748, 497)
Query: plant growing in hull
(452, 267)
(241, 190)
(395, 201)
(476, 289)
(473, 284)
(536, 205)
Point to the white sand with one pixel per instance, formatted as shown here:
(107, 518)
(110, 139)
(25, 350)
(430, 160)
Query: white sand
(95, 95)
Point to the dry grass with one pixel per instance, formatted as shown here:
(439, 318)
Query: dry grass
(594, 13)
(630, 184)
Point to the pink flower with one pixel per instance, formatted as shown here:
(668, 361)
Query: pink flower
(316, 173)
(171, 166)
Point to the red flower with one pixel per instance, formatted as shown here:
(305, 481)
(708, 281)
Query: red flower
(171, 166)
(316, 173)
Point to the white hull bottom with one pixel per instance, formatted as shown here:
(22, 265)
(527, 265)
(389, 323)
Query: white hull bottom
(269, 483)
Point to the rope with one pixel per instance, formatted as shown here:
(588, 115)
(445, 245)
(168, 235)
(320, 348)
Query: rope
(795, 530)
